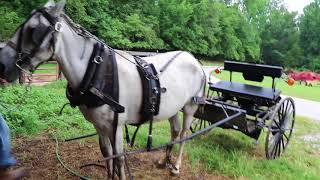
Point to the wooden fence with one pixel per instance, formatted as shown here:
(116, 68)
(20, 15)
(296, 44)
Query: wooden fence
(46, 73)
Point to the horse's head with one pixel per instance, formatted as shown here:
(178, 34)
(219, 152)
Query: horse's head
(33, 43)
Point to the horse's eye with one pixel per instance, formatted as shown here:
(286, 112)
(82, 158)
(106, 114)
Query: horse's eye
(38, 34)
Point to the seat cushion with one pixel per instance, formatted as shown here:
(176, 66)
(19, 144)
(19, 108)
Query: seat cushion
(245, 90)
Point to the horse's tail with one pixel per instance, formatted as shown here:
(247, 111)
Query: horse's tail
(202, 91)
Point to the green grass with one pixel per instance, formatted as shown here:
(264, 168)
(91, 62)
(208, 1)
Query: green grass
(48, 68)
(232, 154)
(223, 152)
(37, 111)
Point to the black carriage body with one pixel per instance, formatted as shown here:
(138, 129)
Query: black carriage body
(257, 104)
(252, 100)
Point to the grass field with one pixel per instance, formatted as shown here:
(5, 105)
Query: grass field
(298, 90)
(222, 152)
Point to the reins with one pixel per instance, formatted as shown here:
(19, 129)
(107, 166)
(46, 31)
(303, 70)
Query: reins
(79, 30)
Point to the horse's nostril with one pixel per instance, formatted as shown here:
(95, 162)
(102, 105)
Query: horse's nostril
(2, 68)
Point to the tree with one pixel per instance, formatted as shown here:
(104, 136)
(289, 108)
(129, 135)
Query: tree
(280, 39)
(309, 37)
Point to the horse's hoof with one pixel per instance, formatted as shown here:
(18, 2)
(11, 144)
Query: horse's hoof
(161, 164)
(175, 172)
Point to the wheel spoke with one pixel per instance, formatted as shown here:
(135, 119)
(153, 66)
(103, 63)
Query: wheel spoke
(282, 113)
(277, 124)
(195, 127)
(288, 104)
(286, 137)
(279, 148)
(287, 109)
(274, 144)
(275, 151)
(282, 142)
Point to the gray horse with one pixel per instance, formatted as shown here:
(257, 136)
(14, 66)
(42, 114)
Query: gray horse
(183, 79)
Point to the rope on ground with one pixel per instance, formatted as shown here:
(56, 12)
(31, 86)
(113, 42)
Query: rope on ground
(64, 165)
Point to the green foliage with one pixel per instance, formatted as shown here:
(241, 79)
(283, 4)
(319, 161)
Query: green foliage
(310, 40)
(29, 113)
(9, 22)
(201, 26)
(280, 39)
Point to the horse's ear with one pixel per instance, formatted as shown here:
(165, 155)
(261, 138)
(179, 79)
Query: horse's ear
(58, 8)
(50, 3)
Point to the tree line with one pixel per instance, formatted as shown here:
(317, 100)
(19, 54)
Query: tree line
(245, 30)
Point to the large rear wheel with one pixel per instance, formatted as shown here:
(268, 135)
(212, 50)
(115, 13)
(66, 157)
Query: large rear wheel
(280, 129)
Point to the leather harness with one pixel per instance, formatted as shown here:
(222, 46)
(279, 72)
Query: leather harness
(100, 84)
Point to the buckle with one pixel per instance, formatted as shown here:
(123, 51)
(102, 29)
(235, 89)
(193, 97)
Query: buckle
(58, 27)
(97, 59)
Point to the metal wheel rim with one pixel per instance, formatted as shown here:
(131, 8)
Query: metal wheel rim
(280, 129)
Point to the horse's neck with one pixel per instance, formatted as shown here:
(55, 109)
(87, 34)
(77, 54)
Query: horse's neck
(73, 53)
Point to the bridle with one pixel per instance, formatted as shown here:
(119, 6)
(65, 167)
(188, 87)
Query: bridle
(39, 34)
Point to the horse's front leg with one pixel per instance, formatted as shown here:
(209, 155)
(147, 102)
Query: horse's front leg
(118, 149)
(106, 150)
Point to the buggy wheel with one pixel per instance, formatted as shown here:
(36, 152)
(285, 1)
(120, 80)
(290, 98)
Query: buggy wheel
(280, 129)
(198, 124)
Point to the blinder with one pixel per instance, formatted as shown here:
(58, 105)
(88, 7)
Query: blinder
(38, 35)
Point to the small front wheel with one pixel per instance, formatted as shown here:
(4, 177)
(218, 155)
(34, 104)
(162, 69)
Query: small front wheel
(198, 124)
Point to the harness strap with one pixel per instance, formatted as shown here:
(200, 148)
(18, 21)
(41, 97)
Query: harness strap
(170, 61)
(151, 94)
(91, 69)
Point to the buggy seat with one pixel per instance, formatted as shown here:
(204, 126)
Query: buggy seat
(251, 72)
(245, 91)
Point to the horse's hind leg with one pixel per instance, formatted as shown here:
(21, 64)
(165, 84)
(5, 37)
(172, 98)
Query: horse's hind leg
(188, 111)
(175, 130)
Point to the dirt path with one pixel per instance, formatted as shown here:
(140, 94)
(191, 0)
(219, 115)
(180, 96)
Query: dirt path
(38, 156)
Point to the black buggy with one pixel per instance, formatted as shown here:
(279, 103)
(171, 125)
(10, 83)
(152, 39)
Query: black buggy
(260, 107)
